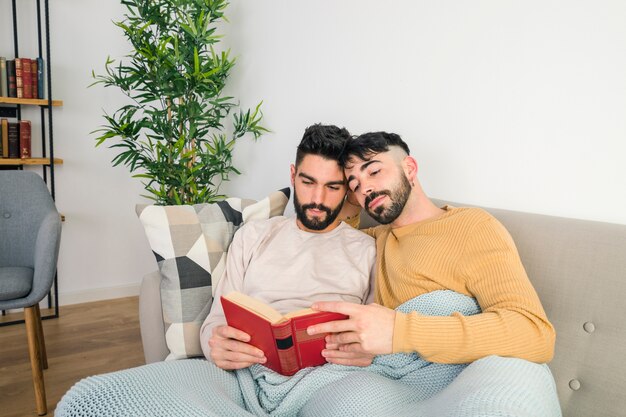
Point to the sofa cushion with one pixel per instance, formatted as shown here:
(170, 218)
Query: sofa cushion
(190, 244)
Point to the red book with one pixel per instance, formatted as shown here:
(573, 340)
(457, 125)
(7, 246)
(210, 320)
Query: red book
(25, 139)
(283, 338)
(34, 74)
(27, 78)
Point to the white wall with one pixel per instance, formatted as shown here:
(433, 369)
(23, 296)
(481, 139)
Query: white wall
(511, 104)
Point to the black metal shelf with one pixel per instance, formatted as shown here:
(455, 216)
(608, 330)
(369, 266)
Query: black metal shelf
(13, 108)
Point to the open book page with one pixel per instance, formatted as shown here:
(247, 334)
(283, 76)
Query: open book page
(299, 313)
(261, 309)
(257, 307)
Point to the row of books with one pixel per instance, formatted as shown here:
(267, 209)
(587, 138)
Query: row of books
(21, 77)
(16, 139)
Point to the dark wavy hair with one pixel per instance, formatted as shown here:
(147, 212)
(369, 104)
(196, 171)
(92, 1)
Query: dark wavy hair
(367, 144)
(327, 141)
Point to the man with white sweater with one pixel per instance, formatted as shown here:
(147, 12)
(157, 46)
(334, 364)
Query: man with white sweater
(291, 262)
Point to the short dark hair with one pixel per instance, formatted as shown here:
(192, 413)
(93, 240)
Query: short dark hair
(327, 141)
(367, 144)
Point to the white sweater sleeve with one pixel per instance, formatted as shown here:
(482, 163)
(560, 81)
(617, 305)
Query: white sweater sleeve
(232, 280)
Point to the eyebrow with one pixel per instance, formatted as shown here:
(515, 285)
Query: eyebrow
(363, 168)
(310, 178)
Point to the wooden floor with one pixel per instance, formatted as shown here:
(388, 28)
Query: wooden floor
(86, 339)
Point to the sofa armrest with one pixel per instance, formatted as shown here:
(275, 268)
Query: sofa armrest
(151, 319)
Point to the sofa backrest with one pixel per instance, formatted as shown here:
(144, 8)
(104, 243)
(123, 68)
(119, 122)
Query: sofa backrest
(578, 268)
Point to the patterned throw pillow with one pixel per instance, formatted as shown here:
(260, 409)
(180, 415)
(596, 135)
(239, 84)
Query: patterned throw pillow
(190, 245)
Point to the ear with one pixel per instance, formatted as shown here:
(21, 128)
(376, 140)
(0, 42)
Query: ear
(409, 165)
(293, 174)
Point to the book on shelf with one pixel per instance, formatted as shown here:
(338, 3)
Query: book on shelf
(4, 86)
(5, 138)
(13, 136)
(40, 78)
(282, 337)
(19, 81)
(34, 82)
(25, 132)
(27, 78)
(11, 84)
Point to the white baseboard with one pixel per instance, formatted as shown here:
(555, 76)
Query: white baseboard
(98, 294)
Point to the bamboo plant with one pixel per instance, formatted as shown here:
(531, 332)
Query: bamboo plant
(172, 134)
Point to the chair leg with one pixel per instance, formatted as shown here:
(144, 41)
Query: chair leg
(41, 339)
(30, 315)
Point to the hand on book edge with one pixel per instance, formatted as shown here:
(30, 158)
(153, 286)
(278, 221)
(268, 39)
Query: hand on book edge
(369, 328)
(230, 350)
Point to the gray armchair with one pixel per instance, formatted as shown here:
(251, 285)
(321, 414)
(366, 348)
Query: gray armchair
(30, 232)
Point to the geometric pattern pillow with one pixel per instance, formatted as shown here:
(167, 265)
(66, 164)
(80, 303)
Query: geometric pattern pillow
(190, 243)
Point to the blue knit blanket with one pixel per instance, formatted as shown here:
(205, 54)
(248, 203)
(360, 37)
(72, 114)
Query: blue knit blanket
(394, 385)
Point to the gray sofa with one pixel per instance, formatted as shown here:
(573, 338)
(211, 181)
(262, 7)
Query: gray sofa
(579, 270)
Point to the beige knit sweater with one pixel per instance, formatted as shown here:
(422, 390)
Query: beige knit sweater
(288, 268)
(468, 251)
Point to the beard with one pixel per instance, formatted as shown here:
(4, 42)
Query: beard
(399, 196)
(314, 223)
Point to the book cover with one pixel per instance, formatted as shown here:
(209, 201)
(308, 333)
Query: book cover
(19, 82)
(11, 85)
(40, 78)
(4, 83)
(283, 338)
(25, 130)
(13, 136)
(27, 79)
(5, 137)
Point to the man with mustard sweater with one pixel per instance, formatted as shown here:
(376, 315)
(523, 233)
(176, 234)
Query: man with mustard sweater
(423, 248)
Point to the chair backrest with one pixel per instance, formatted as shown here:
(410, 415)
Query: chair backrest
(24, 202)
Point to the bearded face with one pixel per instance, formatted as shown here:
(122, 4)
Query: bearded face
(315, 222)
(398, 196)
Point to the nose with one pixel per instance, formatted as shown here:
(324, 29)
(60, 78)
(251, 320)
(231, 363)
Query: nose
(366, 187)
(318, 195)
